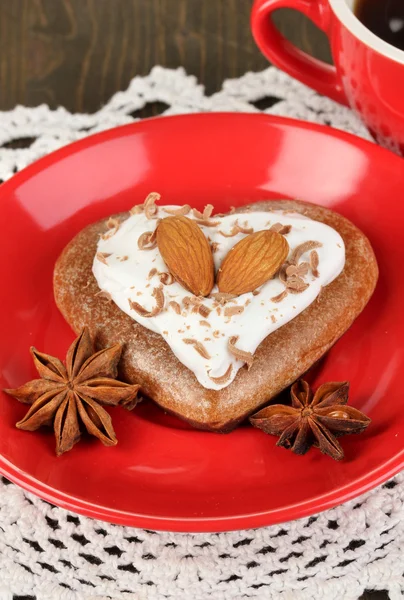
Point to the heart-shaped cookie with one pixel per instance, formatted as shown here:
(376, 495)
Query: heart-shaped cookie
(187, 351)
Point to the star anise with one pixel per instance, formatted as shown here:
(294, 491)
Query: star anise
(312, 421)
(70, 396)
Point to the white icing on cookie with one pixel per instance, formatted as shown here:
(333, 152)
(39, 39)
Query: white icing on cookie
(130, 276)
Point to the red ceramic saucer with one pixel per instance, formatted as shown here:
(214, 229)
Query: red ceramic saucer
(164, 475)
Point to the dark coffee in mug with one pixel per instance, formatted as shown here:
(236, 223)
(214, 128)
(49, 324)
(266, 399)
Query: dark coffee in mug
(384, 18)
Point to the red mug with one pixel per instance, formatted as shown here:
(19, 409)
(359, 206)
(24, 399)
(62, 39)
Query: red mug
(368, 73)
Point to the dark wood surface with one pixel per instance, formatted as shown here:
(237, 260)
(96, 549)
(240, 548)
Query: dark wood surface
(77, 53)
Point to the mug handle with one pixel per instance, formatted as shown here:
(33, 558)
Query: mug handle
(309, 70)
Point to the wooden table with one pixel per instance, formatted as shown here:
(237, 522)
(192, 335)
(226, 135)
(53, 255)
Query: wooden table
(77, 53)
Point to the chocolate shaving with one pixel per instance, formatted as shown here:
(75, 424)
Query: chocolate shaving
(244, 229)
(152, 273)
(247, 357)
(222, 297)
(297, 270)
(175, 306)
(166, 278)
(314, 261)
(230, 311)
(147, 241)
(207, 211)
(197, 214)
(102, 257)
(113, 223)
(273, 318)
(136, 210)
(301, 249)
(280, 296)
(204, 311)
(199, 347)
(232, 233)
(216, 333)
(291, 274)
(207, 223)
(279, 228)
(205, 215)
(205, 324)
(223, 378)
(296, 285)
(186, 301)
(256, 292)
(105, 295)
(143, 312)
(193, 301)
(178, 212)
(113, 226)
(150, 208)
(237, 228)
(124, 258)
(282, 273)
(214, 246)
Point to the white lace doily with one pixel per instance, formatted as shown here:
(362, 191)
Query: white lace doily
(48, 553)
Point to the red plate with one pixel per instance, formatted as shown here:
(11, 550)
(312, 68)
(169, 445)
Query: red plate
(162, 474)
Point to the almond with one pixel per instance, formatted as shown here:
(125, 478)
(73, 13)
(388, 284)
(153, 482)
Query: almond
(186, 253)
(251, 262)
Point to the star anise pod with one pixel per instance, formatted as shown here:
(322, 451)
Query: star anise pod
(70, 396)
(312, 421)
